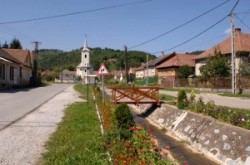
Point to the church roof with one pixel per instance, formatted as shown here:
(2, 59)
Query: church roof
(85, 45)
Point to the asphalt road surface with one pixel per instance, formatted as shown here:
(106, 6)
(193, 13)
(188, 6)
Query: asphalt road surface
(16, 103)
(243, 103)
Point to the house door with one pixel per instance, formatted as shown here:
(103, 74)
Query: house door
(16, 75)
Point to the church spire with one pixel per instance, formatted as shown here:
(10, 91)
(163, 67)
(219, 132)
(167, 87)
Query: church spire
(85, 42)
(85, 46)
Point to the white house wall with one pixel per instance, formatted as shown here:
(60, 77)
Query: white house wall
(197, 67)
(139, 74)
(7, 81)
(26, 75)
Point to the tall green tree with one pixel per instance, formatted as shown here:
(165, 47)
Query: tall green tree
(15, 44)
(216, 67)
(184, 71)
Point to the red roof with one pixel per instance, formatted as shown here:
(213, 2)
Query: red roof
(177, 60)
(23, 56)
(242, 43)
(117, 72)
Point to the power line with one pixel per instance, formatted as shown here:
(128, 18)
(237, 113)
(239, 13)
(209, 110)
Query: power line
(205, 42)
(74, 13)
(242, 22)
(185, 23)
(210, 27)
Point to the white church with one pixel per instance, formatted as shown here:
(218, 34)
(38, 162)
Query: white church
(84, 69)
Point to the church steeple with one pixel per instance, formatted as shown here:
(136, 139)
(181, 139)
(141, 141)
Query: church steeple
(85, 46)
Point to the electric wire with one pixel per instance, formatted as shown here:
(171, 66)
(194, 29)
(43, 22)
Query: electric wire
(205, 42)
(74, 13)
(192, 38)
(210, 27)
(179, 26)
(242, 22)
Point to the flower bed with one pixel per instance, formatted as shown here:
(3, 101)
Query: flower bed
(127, 143)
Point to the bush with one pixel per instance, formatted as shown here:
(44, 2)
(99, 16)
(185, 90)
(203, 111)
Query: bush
(200, 106)
(124, 120)
(192, 100)
(182, 101)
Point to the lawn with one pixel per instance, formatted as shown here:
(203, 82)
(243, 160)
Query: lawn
(235, 95)
(78, 139)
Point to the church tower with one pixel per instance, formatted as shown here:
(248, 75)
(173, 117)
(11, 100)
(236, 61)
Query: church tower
(84, 69)
(85, 54)
(85, 65)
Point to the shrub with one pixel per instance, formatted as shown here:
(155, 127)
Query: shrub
(200, 105)
(192, 100)
(124, 120)
(182, 99)
(211, 109)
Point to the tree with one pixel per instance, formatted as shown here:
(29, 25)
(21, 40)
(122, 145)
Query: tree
(5, 45)
(216, 67)
(245, 70)
(15, 44)
(184, 71)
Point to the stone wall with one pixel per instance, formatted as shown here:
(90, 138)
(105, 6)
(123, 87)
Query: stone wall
(222, 142)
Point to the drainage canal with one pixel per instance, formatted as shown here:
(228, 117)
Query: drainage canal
(178, 149)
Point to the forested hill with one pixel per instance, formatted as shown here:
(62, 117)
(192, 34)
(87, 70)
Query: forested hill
(58, 60)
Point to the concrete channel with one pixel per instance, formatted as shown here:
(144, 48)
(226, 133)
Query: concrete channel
(178, 149)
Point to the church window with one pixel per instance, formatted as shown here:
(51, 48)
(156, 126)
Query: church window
(85, 70)
(85, 56)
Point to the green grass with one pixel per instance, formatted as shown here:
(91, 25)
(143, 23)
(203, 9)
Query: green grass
(188, 90)
(168, 99)
(235, 95)
(77, 139)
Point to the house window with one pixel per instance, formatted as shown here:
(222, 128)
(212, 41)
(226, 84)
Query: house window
(2, 71)
(11, 73)
(85, 70)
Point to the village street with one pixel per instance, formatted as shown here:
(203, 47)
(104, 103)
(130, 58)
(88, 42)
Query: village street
(15, 103)
(23, 141)
(243, 103)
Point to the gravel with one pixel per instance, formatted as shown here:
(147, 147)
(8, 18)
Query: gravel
(23, 142)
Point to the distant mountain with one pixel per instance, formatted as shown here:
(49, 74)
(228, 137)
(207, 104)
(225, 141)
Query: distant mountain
(58, 60)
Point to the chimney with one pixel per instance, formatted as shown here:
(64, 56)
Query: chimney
(237, 30)
(162, 54)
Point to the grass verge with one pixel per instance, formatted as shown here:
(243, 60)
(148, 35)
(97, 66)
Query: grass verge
(168, 99)
(77, 139)
(235, 95)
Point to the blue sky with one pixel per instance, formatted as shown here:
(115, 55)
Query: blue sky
(113, 28)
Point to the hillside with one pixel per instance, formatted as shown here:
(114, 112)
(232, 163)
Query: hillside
(58, 60)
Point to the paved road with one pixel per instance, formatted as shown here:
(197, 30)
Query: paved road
(15, 103)
(243, 103)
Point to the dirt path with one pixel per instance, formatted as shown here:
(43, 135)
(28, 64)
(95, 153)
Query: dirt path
(23, 142)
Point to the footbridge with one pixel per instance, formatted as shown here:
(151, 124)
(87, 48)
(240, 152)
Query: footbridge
(136, 95)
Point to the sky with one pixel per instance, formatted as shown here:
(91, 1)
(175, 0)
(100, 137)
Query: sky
(115, 23)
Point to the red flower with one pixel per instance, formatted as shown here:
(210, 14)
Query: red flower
(184, 163)
(132, 128)
(167, 147)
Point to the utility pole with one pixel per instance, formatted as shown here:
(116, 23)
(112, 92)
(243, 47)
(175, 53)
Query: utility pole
(126, 62)
(34, 81)
(233, 54)
(147, 68)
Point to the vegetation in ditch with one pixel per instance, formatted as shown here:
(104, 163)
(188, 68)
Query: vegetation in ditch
(234, 116)
(77, 139)
(136, 145)
(182, 101)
